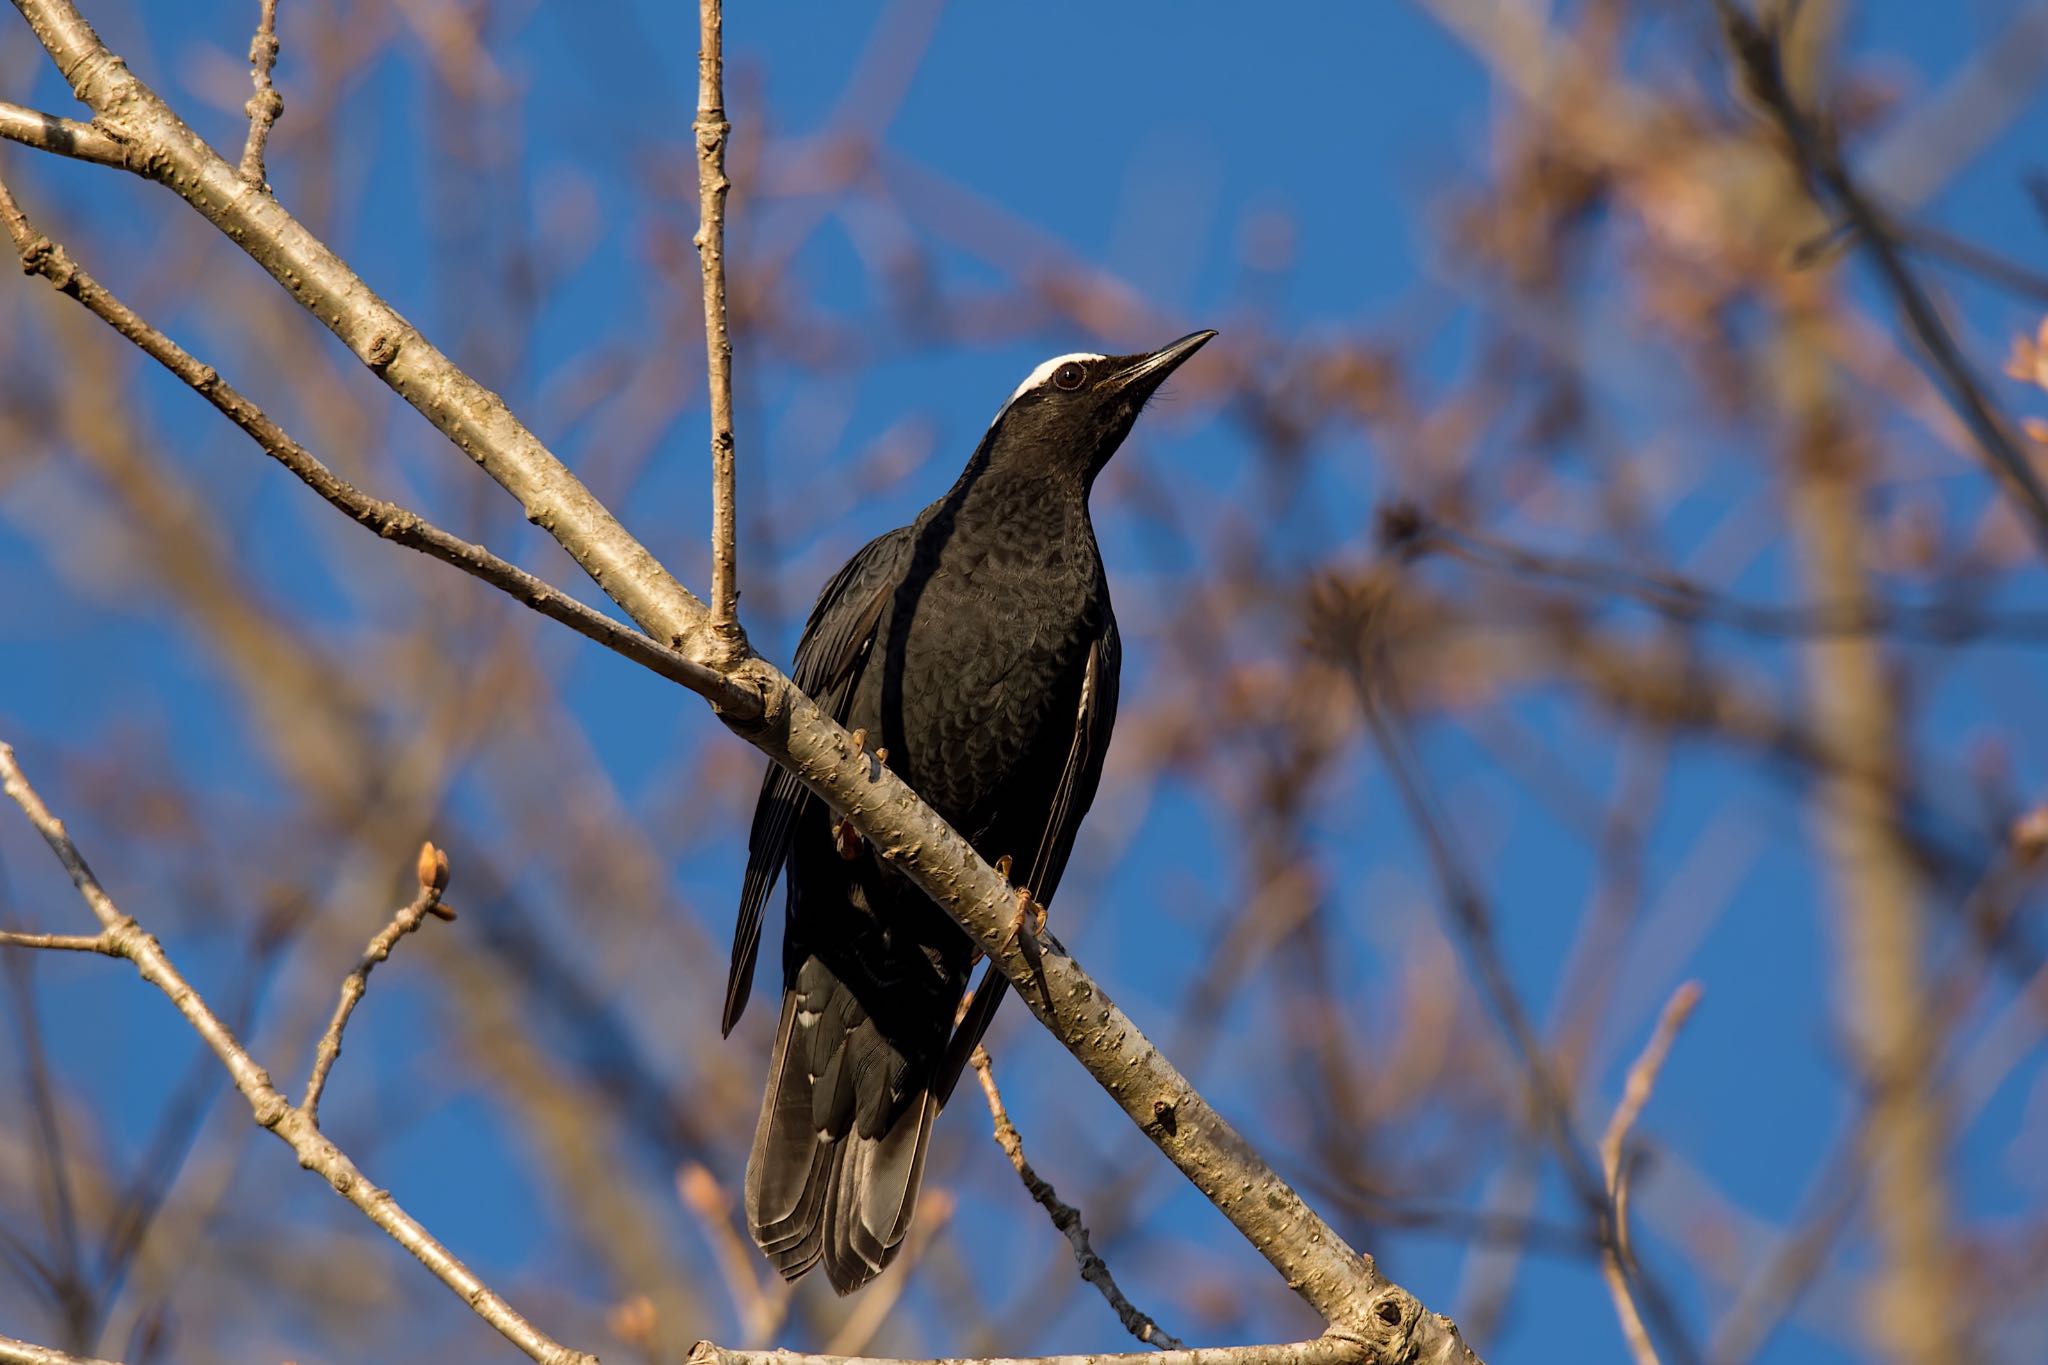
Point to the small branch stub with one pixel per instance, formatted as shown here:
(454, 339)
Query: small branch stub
(266, 104)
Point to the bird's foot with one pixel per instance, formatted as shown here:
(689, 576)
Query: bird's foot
(1028, 924)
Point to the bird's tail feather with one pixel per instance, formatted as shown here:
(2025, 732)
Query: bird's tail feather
(845, 1200)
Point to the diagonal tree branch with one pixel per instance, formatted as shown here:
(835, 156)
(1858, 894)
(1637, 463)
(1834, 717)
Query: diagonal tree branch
(1329, 1350)
(1815, 149)
(42, 256)
(159, 145)
(294, 1126)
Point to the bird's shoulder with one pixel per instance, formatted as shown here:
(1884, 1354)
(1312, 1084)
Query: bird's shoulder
(844, 615)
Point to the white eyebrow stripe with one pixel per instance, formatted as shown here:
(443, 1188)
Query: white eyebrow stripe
(1044, 372)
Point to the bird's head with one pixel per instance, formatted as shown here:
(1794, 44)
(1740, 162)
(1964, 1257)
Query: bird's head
(1071, 413)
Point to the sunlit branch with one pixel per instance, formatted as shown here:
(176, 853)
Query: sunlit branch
(294, 1126)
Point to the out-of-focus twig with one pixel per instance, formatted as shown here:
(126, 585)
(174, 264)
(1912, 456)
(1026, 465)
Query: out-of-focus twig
(1619, 1260)
(1877, 917)
(294, 1126)
(1066, 1218)
(1361, 655)
(1757, 49)
(872, 1310)
(1682, 599)
(266, 104)
(760, 1309)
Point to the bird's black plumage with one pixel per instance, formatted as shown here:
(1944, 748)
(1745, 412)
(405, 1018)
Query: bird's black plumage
(977, 645)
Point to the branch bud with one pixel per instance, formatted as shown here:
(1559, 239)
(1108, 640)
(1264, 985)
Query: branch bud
(432, 867)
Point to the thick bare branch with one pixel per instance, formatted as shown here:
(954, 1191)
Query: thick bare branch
(1067, 1218)
(712, 129)
(42, 256)
(1330, 1350)
(295, 1127)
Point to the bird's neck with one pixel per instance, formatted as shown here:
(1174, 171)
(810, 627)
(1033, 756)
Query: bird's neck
(1023, 504)
(1025, 522)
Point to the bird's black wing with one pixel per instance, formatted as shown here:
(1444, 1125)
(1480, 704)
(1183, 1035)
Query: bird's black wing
(828, 661)
(1094, 719)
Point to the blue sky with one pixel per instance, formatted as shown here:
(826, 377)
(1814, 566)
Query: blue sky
(1159, 142)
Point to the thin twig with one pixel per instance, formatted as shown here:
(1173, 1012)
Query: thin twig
(433, 878)
(163, 147)
(1619, 1256)
(1067, 1218)
(73, 943)
(760, 1308)
(42, 256)
(63, 136)
(297, 1129)
(266, 104)
(1473, 918)
(712, 129)
(872, 1309)
(1681, 599)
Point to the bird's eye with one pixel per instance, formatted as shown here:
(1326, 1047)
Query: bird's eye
(1069, 376)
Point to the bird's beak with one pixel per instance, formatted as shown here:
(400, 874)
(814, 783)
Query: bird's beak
(1149, 372)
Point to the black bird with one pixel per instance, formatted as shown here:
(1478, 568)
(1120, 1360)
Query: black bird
(977, 647)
